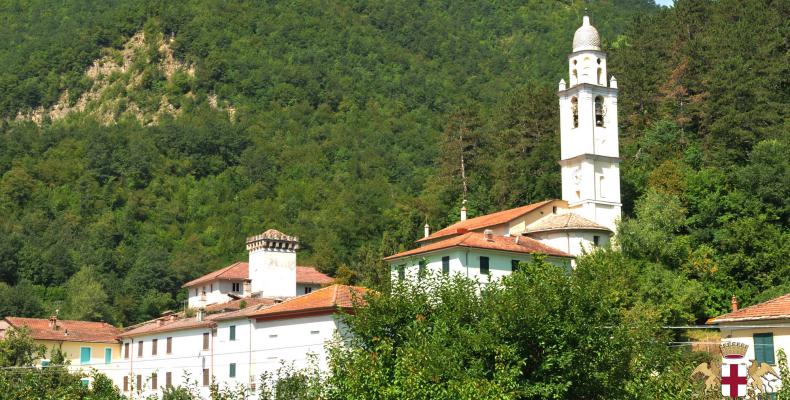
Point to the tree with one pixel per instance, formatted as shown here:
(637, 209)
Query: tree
(18, 349)
(86, 299)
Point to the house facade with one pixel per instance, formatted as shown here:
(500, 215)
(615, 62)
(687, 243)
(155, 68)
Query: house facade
(490, 246)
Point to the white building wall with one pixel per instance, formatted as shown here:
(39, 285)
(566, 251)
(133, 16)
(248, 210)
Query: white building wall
(731, 333)
(290, 341)
(236, 352)
(572, 242)
(186, 361)
(273, 272)
(301, 288)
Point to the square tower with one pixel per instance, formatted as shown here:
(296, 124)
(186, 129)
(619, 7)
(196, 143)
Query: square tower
(272, 263)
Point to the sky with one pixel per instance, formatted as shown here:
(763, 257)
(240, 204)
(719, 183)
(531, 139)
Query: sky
(665, 2)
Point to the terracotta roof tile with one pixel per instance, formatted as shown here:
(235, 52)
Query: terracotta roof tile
(327, 299)
(487, 220)
(165, 325)
(517, 244)
(778, 308)
(310, 275)
(235, 271)
(235, 305)
(67, 330)
(564, 222)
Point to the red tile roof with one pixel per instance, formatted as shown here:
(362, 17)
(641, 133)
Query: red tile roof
(166, 325)
(485, 221)
(325, 300)
(516, 244)
(235, 305)
(778, 308)
(67, 330)
(311, 276)
(234, 272)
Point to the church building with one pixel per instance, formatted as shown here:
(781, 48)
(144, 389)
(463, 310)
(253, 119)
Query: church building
(493, 245)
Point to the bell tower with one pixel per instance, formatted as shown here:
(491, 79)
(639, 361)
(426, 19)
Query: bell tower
(590, 158)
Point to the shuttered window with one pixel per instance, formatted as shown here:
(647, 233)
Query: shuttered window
(169, 379)
(140, 349)
(139, 383)
(401, 272)
(232, 372)
(154, 345)
(445, 265)
(125, 383)
(154, 383)
(85, 355)
(205, 377)
(126, 350)
(764, 348)
(484, 265)
(107, 355)
(169, 345)
(205, 341)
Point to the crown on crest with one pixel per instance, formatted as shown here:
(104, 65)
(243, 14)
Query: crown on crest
(733, 349)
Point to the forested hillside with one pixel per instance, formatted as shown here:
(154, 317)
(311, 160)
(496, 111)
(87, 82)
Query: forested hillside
(142, 141)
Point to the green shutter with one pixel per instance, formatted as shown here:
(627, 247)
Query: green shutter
(85, 355)
(233, 332)
(233, 370)
(107, 355)
(764, 348)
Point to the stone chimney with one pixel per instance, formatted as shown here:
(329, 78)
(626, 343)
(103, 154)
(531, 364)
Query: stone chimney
(734, 302)
(427, 230)
(489, 235)
(463, 213)
(273, 263)
(53, 322)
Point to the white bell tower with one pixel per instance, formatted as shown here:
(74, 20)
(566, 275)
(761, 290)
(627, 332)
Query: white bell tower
(590, 157)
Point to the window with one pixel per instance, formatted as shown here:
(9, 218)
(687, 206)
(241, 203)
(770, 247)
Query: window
(599, 77)
(236, 287)
(575, 111)
(601, 187)
(308, 289)
(85, 355)
(401, 272)
(211, 287)
(85, 382)
(125, 383)
(154, 382)
(169, 345)
(205, 341)
(232, 333)
(484, 265)
(764, 348)
(205, 377)
(154, 345)
(196, 292)
(126, 350)
(596, 240)
(445, 265)
(232, 372)
(315, 332)
(599, 111)
(140, 349)
(514, 265)
(574, 77)
(169, 379)
(554, 210)
(272, 336)
(139, 383)
(107, 355)
(422, 267)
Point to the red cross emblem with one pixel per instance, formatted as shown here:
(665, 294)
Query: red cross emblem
(733, 380)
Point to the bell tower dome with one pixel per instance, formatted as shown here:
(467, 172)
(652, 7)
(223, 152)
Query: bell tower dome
(590, 156)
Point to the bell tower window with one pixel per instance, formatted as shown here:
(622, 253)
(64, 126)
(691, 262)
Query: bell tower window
(574, 78)
(599, 112)
(575, 111)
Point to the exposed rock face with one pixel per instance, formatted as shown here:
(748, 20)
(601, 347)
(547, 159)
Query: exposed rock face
(118, 74)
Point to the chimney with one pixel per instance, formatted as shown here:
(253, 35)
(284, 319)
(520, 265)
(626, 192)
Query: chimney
(272, 263)
(489, 235)
(53, 322)
(246, 288)
(172, 317)
(201, 314)
(463, 213)
(734, 302)
(427, 229)
(160, 321)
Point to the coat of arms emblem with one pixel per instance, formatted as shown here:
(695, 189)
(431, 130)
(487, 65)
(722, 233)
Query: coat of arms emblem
(736, 377)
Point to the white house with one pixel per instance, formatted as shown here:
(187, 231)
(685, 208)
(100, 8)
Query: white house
(763, 327)
(489, 246)
(271, 272)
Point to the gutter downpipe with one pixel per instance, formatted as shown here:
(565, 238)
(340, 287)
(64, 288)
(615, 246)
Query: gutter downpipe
(131, 368)
(211, 373)
(250, 375)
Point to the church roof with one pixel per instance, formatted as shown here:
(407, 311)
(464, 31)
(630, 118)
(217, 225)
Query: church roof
(778, 308)
(562, 222)
(515, 244)
(485, 221)
(586, 37)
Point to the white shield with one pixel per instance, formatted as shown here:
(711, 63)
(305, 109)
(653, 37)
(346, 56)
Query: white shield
(733, 379)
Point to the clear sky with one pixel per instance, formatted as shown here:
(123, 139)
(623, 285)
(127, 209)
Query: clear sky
(665, 2)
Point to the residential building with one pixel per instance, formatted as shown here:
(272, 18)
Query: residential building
(85, 345)
(764, 327)
(489, 246)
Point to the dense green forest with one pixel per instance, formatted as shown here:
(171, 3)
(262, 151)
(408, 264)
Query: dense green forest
(202, 123)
